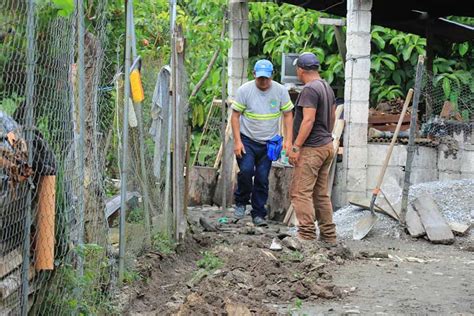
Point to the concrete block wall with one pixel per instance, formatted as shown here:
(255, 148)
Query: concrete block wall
(461, 166)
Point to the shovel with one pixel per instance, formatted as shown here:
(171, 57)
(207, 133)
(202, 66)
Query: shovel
(365, 224)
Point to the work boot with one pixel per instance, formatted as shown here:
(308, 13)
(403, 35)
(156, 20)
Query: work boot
(327, 243)
(258, 221)
(239, 212)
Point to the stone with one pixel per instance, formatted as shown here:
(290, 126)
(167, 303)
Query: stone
(301, 292)
(275, 246)
(236, 309)
(459, 229)
(292, 243)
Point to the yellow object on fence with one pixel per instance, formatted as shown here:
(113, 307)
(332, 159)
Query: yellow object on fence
(44, 246)
(138, 95)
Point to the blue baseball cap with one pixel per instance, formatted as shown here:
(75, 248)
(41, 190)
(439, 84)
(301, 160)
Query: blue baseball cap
(263, 68)
(307, 61)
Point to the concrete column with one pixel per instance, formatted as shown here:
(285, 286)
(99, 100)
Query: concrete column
(239, 48)
(238, 56)
(356, 98)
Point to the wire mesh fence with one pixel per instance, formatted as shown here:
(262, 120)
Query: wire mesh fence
(61, 103)
(209, 141)
(447, 101)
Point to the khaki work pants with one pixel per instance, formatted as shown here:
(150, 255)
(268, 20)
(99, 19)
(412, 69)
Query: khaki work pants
(309, 193)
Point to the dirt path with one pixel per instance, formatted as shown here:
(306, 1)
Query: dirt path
(233, 272)
(442, 284)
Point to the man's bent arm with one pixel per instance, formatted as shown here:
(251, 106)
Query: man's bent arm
(288, 121)
(235, 123)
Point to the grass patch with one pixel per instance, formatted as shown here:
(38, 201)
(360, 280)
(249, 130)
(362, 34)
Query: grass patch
(294, 256)
(209, 261)
(130, 277)
(163, 243)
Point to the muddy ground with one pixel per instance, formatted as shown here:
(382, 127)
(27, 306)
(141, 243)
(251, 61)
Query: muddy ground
(239, 275)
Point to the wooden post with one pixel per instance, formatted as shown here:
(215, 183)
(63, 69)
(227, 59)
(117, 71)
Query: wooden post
(411, 140)
(339, 34)
(44, 251)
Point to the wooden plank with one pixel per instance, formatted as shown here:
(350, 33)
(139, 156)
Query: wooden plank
(459, 229)
(337, 132)
(12, 282)
(9, 262)
(113, 205)
(387, 118)
(329, 21)
(436, 227)
(390, 128)
(290, 217)
(446, 110)
(365, 204)
(228, 132)
(413, 222)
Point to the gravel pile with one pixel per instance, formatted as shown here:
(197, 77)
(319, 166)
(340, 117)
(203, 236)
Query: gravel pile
(455, 199)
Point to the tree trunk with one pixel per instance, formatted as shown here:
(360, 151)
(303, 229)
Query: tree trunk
(94, 218)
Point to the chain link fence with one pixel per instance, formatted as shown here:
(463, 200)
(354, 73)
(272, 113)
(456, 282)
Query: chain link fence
(61, 104)
(447, 101)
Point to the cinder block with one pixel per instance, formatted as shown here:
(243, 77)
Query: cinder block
(357, 157)
(358, 44)
(355, 195)
(355, 134)
(393, 177)
(449, 175)
(449, 164)
(377, 153)
(353, 5)
(467, 175)
(419, 175)
(356, 179)
(233, 84)
(238, 67)
(357, 112)
(239, 49)
(426, 158)
(357, 90)
(239, 29)
(359, 21)
(467, 161)
(357, 69)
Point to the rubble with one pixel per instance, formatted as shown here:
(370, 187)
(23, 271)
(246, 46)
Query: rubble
(455, 199)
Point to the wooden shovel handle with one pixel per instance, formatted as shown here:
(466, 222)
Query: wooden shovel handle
(392, 143)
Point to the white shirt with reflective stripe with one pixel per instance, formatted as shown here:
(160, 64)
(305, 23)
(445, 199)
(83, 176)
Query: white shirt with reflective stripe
(261, 110)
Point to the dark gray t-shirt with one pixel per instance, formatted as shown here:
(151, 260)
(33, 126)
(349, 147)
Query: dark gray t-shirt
(319, 95)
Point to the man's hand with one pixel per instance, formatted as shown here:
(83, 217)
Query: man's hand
(239, 149)
(294, 157)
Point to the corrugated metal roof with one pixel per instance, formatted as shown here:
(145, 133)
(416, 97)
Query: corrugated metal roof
(412, 16)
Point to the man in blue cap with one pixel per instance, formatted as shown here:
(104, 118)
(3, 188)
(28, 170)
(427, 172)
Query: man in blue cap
(312, 152)
(257, 109)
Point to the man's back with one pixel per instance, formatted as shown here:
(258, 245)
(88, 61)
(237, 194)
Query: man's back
(319, 95)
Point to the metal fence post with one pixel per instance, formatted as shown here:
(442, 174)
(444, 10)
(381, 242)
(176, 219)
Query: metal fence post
(30, 92)
(82, 122)
(223, 130)
(123, 182)
(411, 140)
(139, 113)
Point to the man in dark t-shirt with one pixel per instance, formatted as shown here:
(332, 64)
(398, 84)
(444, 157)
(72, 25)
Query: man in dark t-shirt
(312, 152)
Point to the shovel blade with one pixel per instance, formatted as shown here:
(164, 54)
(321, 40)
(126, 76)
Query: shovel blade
(364, 225)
